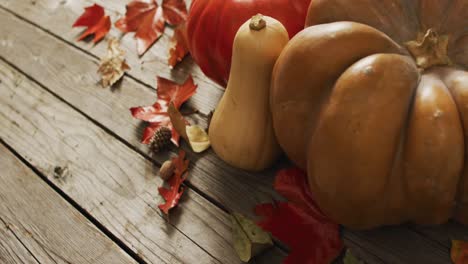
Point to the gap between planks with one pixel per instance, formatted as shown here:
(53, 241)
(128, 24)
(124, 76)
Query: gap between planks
(74, 204)
(84, 210)
(282, 250)
(6, 233)
(158, 160)
(137, 155)
(35, 214)
(203, 112)
(80, 49)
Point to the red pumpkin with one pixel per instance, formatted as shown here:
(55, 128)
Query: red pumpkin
(212, 25)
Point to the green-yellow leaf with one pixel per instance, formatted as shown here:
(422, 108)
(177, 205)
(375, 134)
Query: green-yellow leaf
(349, 258)
(249, 239)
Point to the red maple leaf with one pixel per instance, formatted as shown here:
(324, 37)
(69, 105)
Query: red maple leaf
(312, 237)
(148, 20)
(157, 114)
(93, 18)
(178, 48)
(175, 191)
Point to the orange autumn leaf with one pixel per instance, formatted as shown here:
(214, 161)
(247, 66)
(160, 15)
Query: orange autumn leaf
(459, 252)
(178, 47)
(147, 19)
(172, 194)
(96, 22)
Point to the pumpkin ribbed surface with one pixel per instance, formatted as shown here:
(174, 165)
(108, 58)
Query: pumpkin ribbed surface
(372, 100)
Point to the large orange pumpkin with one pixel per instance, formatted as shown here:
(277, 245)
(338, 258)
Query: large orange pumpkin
(376, 109)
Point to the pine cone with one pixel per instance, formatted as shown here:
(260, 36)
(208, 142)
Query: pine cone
(161, 139)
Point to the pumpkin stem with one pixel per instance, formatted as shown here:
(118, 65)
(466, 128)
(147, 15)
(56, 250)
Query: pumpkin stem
(430, 49)
(257, 22)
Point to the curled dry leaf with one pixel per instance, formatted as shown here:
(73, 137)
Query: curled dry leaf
(349, 258)
(172, 194)
(249, 239)
(194, 135)
(157, 114)
(312, 237)
(459, 252)
(178, 121)
(147, 19)
(113, 65)
(178, 47)
(96, 22)
(198, 138)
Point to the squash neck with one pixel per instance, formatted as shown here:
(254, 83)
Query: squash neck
(429, 49)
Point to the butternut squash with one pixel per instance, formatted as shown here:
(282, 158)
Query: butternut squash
(241, 130)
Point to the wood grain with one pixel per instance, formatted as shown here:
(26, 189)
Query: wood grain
(399, 246)
(51, 229)
(58, 16)
(444, 234)
(235, 190)
(47, 60)
(107, 179)
(11, 249)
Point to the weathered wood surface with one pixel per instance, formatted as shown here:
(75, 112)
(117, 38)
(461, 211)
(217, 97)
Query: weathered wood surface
(11, 249)
(78, 81)
(58, 16)
(44, 223)
(70, 74)
(78, 85)
(107, 179)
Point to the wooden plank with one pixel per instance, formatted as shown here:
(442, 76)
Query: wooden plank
(58, 16)
(358, 252)
(444, 234)
(48, 226)
(240, 191)
(77, 83)
(11, 249)
(399, 245)
(107, 179)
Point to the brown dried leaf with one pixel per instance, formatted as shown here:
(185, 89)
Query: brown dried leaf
(113, 65)
(178, 121)
(194, 135)
(459, 252)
